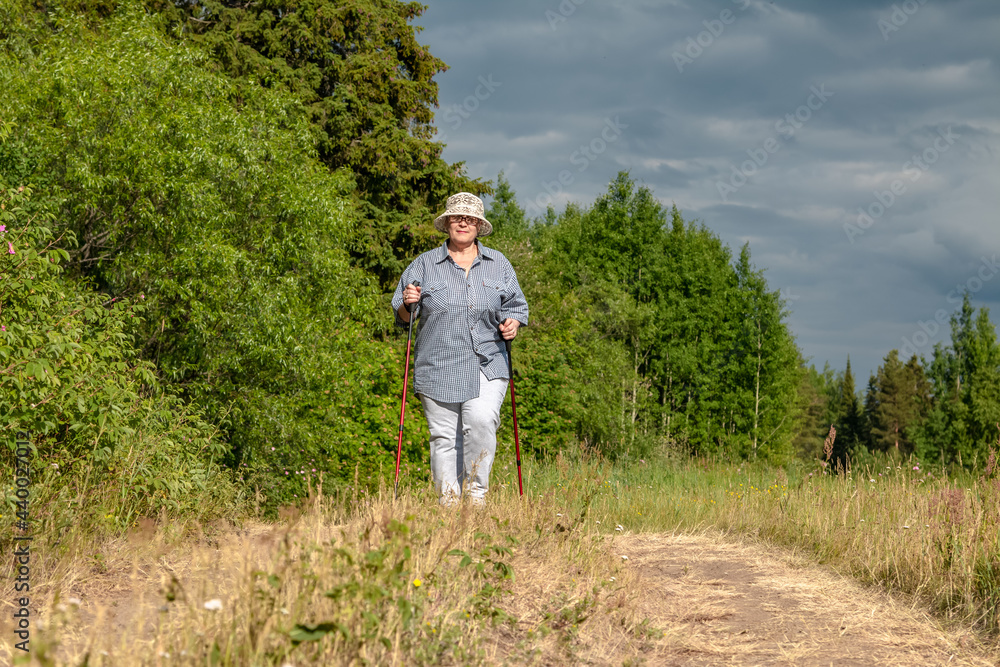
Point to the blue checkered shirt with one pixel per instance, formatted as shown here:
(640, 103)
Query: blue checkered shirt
(458, 327)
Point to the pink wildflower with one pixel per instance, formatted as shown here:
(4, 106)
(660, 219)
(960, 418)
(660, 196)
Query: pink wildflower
(10, 248)
(3, 228)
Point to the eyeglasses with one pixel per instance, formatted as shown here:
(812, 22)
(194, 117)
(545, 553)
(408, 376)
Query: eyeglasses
(467, 219)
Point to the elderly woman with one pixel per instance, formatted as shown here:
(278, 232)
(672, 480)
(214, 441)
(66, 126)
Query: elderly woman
(469, 304)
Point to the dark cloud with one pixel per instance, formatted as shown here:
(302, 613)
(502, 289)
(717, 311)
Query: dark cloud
(698, 90)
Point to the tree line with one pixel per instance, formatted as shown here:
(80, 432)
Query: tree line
(205, 206)
(945, 409)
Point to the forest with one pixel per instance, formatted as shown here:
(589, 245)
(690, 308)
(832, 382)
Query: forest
(204, 208)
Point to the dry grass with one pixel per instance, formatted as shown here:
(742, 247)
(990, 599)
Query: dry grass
(535, 580)
(901, 527)
(405, 582)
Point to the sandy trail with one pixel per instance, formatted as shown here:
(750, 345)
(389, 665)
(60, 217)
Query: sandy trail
(724, 603)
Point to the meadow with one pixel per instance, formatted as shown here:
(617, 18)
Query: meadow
(361, 578)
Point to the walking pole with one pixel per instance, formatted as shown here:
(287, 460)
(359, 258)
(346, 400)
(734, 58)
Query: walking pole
(513, 411)
(402, 407)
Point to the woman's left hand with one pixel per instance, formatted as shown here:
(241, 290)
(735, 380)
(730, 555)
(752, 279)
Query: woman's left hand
(508, 329)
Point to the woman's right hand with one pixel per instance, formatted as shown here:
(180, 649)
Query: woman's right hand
(411, 295)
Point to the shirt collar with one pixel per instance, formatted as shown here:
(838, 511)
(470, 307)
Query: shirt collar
(484, 252)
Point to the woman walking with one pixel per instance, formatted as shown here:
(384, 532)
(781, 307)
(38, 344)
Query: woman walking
(470, 303)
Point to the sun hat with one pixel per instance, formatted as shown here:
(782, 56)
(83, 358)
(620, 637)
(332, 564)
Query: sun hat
(463, 203)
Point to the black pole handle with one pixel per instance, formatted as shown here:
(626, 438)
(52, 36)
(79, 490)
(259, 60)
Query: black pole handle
(410, 308)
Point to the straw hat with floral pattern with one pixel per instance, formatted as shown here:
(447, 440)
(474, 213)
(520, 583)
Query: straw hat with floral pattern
(464, 203)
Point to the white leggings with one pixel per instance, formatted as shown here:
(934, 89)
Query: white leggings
(464, 441)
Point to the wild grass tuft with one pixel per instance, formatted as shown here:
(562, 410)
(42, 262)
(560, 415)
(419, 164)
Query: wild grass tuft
(359, 580)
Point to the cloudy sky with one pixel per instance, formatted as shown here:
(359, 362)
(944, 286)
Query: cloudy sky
(854, 144)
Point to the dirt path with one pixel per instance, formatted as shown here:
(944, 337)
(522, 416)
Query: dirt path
(718, 602)
(722, 603)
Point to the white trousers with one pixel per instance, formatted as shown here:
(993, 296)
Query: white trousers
(464, 441)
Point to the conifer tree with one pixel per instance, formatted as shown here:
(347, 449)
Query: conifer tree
(849, 420)
(504, 213)
(965, 381)
(898, 398)
(814, 410)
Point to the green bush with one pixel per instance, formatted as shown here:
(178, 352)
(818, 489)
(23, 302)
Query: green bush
(204, 195)
(101, 428)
